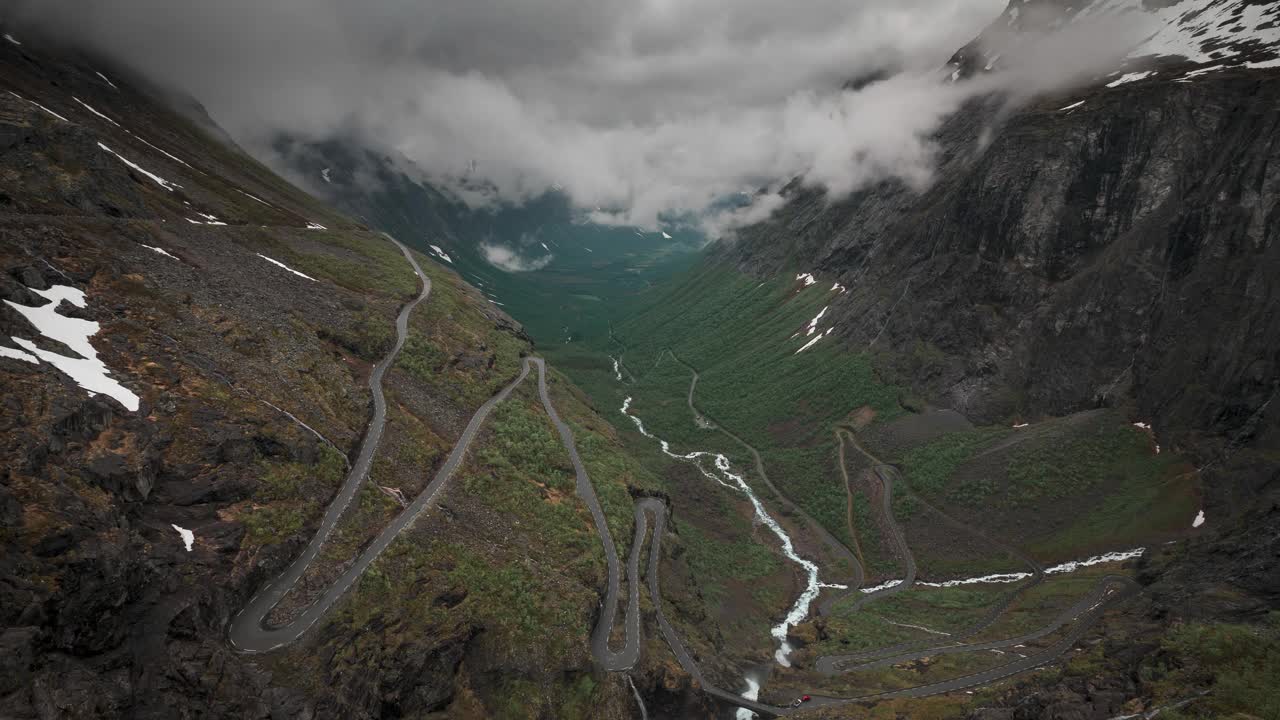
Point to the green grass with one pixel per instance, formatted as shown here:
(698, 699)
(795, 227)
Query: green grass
(1239, 664)
(928, 468)
(454, 346)
(526, 475)
(943, 609)
(855, 632)
(715, 562)
(289, 495)
(737, 332)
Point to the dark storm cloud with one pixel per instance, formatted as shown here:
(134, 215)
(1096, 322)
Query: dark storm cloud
(636, 106)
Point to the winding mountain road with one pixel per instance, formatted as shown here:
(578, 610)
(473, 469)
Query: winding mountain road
(1084, 613)
(832, 663)
(248, 633)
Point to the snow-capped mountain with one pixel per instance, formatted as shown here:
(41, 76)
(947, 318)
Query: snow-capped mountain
(1184, 38)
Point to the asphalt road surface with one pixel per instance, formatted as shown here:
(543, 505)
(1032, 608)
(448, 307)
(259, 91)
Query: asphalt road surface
(247, 632)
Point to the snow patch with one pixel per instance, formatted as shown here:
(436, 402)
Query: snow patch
(444, 255)
(86, 370)
(33, 102)
(106, 80)
(809, 344)
(837, 287)
(1131, 77)
(253, 197)
(665, 236)
(807, 278)
(813, 324)
(1072, 106)
(11, 39)
(208, 219)
(1199, 520)
(1020, 425)
(16, 354)
(89, 107)
(286, 267)
(161, 151)
(188, 537)
(315, 226)
(161, 251)
(325, 174)
(170, 186)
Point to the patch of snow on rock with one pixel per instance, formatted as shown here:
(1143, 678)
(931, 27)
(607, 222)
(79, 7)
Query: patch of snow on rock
(325, 174)
(16, 354)
(167, 154)
(665, 236)
(106, 80)
(188, 537)
(809, 344)
(11, 39)
(445, 256)
(1199, 520)
(170, 186)
(1072, 106)
(286, 267)
(807, 278)
(1131, 77)
(89, 107)
(813, 324)
(87, 370)
(33, 102)
(161, 251)
(253, 197)
(315, 226)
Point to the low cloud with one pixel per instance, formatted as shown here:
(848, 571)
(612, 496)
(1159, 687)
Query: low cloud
(504, 258)
(638, 109)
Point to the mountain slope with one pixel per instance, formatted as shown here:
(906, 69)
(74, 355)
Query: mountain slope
(185, 351)
(1113, 246)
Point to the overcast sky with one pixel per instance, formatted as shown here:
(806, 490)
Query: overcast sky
(641, 106)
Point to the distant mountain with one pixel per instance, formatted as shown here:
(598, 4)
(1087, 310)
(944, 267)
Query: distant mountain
(1182, 39)
(542, 260)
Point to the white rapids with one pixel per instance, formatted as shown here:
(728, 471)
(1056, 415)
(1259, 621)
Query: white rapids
(800, 610)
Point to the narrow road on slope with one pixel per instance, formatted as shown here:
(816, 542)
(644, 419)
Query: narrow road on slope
(626, 658)
(247, 632)
(886, 475)
(831, 664)
(1110, 590)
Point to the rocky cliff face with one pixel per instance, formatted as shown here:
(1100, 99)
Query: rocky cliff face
(1114, 245)
(1118, 250)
